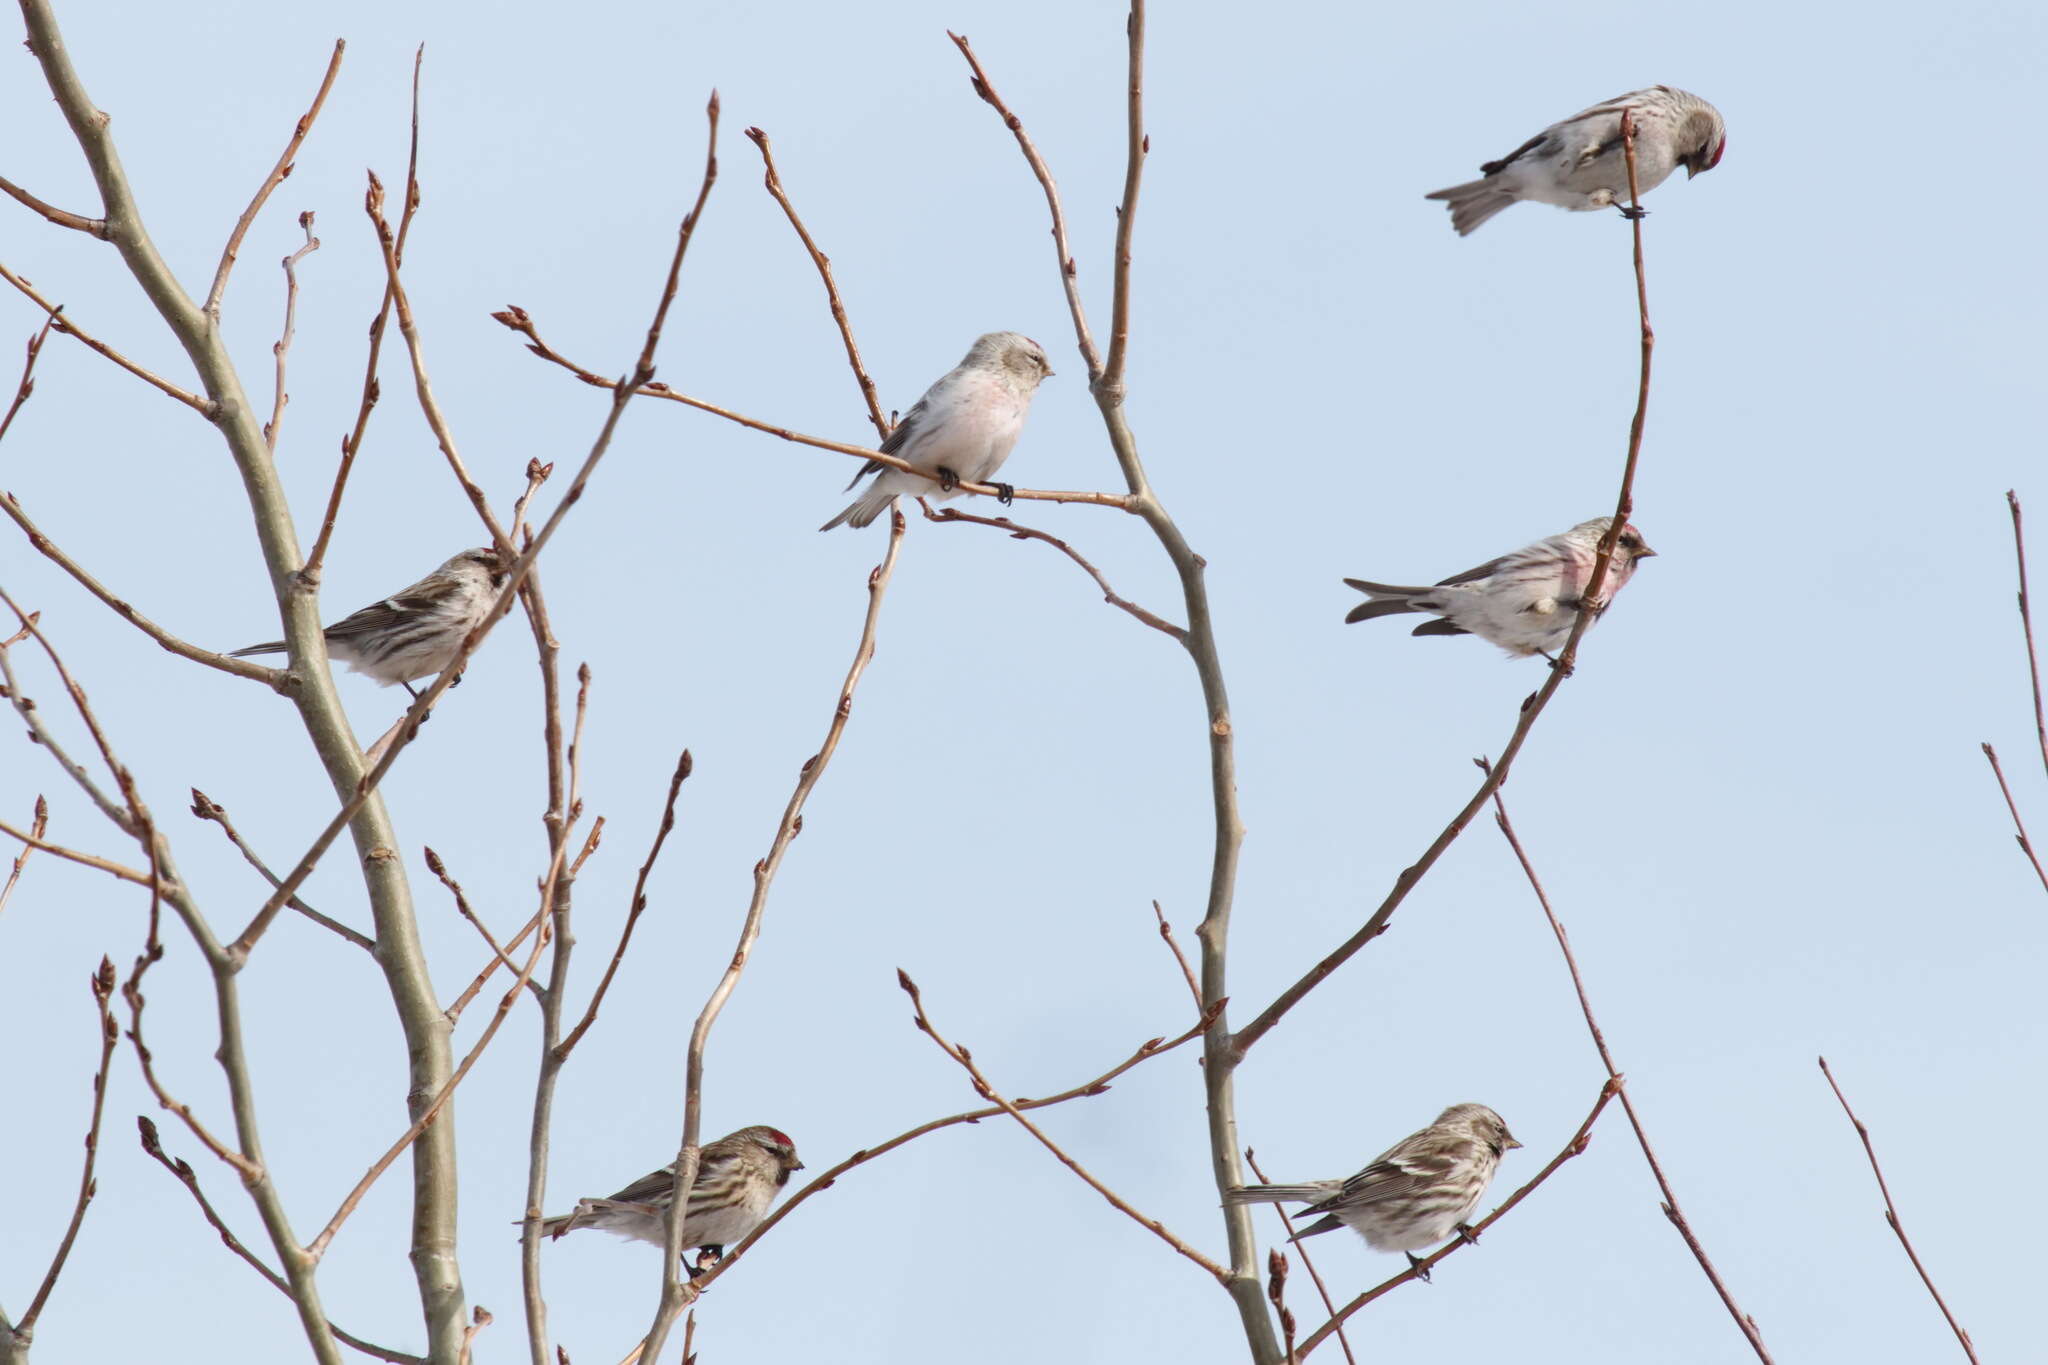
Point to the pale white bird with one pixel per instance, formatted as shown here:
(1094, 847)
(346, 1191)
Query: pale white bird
(1413, 1195)
(961, 431)
(1524, 602)
(418, 632)
(1578, 164)
(738, 1177)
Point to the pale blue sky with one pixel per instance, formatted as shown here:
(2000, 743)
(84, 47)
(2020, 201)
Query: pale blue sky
(1760, 806)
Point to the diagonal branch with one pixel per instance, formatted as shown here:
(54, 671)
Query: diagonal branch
(36, 829)
(204, 407)
(284, 340)
(78, 222)
(276, 177)
(1017, 532)
(1322, 1290)
(982, 1087)
(2019, 545)
(824, 264)
(1891, 1216)
(1672, 1211)
(206, 808)
(27, 385)
(2026, 844)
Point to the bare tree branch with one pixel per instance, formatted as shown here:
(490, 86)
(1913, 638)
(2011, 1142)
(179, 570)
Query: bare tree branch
(284, 340)
(2026, 844)
(2019, 545)
(982, 1087)
(1322, 1290)
(202, 406)
(1891, 1216)
(36, 829)
(675, 1294)
(1671, 1207)
(503, 958)
(276, 177)
(206, 808)
(27, 385)
(97, 227)
(1017, 532)
(824, 264)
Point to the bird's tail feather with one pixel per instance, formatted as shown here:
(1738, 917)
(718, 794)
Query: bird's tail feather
(273, 647)
(1473, 202)
(1274, 1194)
(1329, 1222)
(863, 509)
(1387, 600)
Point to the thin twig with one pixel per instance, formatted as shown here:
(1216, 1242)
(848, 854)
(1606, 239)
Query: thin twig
(1166, 933)
(675, 1294)
(1276, 1293)
(1534, 705)
(27, 385)
(1068, 272)
(97, 227)
(189, 1178)
(205, 407)
(372, 390)
(1146, 1051)
(684, 765)
(241, 668)
(117, 812)
(824, 264)
(276, 177)
(982, 1087)
(110, 1034)
(93, 860)
(37, 828)
(284, 340)
(206, 808)
(1423, 1265)
(132, 993)
(1017, 532)
(2019, 545)
(518, 320)
(502, 959)
(1671, 1207)
(2026, 844)
(1323, 1290)
(1891, 1216)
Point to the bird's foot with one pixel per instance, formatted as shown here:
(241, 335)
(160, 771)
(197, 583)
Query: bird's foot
(1467, 1235)
(457, 682)
(1633, 214)
(1557, 664)
(948, 479)
(1006, 493)
(1419, 1266)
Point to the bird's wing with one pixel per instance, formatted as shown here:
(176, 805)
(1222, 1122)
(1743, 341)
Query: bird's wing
(894, 442)
(1486, 570)
(1535, 144)
(378, 617)
(645, 1189)
(1413, 1164)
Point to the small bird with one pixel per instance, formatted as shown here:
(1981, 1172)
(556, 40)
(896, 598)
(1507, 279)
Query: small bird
(1414, 1194)
(418, 632)
(961, 431)
(738, 1177)
(1524, 602)
(1579, 163)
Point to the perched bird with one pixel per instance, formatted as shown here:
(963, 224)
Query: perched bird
(1414, 1194)
(418, 632)
(1579, 164)
(961, 431)
(738, 1177)
(1524, 602)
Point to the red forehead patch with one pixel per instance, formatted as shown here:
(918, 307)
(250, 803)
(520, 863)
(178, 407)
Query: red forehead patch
(782, 1138)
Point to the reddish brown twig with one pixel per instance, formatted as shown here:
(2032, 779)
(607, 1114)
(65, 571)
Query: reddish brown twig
(206, 808)
(500, 957)
(773, 181)
(276, 177)
(480, 1318)
(1017, 532)
(1891, 1216)
(2019, 545)
(1574, 1147)
(372, 390)
(517, 319)
(189, 1178)
(1323, 1290)
(78, 222)
(203, 406)
(131, 992)
(1672, 1211)
(284, 340)
(982, 1087)
(2026, 844)
(1173, 945)
(110, 1034)
(1276, 1294)
(684, 765)
(1069, 273)
(675, 1294)
(27, 385)
(1533, 706)
(1146, 1051)
(37, 828)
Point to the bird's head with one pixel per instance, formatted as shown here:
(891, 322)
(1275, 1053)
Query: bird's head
(484, 559)
(778, 1145)
(1482, 1123)
(1703, 139)
(1013, 353)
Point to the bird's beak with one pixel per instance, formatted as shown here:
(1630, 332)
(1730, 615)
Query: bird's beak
(796, 1165)
(1512, 1143)
(1646, 553)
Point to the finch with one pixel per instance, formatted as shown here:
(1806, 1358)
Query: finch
(1579, 163)
(961, 431)
(418, 632)
(738, 1177)
(1414, 1194)
(1524, 602)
